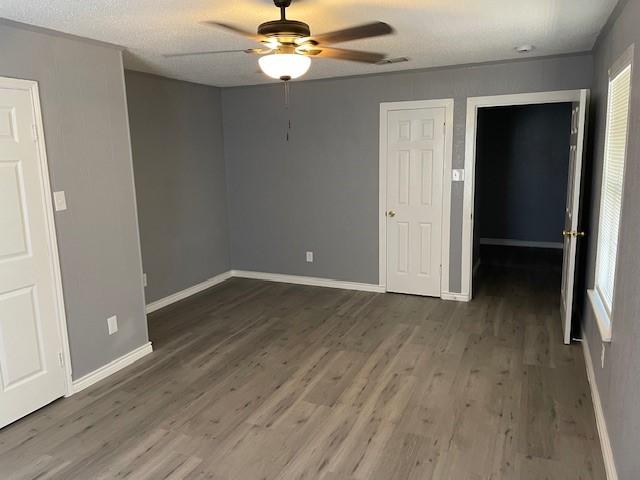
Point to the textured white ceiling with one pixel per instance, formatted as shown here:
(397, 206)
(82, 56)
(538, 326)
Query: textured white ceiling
(429, 32)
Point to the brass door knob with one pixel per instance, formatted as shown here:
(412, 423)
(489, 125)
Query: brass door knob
(571, 233)
(391, 213)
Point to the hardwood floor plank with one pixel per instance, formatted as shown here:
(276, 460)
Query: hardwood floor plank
(258, 380)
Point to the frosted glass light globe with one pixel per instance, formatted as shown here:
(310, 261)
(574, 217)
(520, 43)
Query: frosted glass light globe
(284, 65)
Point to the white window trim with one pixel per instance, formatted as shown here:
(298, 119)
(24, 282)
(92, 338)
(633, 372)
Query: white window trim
(603, 320)
(601, 312)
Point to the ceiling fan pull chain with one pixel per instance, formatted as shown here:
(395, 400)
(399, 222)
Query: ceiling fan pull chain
(286, 106)
(286, 95)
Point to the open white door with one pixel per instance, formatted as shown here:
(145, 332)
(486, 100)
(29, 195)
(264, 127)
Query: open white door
(32, 373)
(571, 228)
(415, 162)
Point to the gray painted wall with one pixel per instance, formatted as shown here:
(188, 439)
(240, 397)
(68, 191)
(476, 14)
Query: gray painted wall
(619, 381)
(87, 136)
(178, 159)
(319, 191)
(522, 163)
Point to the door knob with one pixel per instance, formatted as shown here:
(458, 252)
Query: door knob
(571, 233)
(391, 213)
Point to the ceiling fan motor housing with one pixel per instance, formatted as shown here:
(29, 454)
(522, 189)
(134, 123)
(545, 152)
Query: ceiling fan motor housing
(284, 28)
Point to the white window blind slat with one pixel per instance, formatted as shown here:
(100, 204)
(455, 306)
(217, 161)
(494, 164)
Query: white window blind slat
(612, 183)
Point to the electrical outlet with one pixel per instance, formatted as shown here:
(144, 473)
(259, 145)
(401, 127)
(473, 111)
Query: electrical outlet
(310, 257)
(602, 357)
(112, 324)
(144, 279)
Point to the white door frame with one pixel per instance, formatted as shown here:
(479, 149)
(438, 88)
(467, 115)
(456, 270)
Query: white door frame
(32, 87)
(386, 107)
(473, 104)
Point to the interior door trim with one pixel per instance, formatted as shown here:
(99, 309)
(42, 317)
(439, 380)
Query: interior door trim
(473, 104)
(385, 108)
(32, 87)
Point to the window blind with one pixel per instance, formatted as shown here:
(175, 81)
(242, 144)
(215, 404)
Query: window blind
(612, 183)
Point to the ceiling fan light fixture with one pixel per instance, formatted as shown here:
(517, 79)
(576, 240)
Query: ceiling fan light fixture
(284, 66)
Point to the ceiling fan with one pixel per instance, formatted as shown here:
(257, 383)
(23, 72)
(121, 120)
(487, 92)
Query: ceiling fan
(287, 45)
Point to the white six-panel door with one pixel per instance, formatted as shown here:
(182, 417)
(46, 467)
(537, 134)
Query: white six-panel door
(415, 162)
(572, 234)
(31, 370)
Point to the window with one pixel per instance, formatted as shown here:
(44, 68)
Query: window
(611, 192)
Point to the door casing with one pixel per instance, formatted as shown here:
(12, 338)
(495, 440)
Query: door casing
(60, 313)
(386, 107)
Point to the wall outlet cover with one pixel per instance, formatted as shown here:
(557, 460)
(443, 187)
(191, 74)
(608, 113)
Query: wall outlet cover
(144, 279)
(112, 324)
(310, 257)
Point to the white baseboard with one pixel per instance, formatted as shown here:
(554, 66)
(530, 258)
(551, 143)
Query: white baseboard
(458, 297)
(520, 243)
(313, 281)
(187, 292)
(605, 442)
(111, 368)
(282, 278)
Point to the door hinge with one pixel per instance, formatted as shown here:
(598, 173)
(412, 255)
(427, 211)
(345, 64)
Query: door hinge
(34, 132)
(61, 359)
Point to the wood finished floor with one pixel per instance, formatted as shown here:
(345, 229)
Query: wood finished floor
(256, 380)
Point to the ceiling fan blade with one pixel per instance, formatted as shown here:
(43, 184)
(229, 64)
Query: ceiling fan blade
(237, 30)
(343, 54)
(368, 30)
(258, 51)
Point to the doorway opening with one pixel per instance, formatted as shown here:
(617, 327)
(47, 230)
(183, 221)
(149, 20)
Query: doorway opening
(522, 164)
(524, 167)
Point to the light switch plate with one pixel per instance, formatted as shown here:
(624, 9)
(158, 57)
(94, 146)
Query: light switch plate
(59, 201)
(310, 257)
(144, 279)
(112, 324)
(457, 175)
